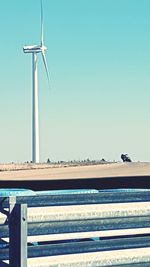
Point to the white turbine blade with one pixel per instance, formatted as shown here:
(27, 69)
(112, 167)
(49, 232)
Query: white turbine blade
(46, 67)
(42, 25)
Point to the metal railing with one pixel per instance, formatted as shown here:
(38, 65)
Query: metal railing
(98, 229)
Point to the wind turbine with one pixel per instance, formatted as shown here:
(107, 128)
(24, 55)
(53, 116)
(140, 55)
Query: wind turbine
(34, 50)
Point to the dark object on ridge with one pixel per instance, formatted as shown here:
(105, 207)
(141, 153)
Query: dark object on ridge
(125, 158)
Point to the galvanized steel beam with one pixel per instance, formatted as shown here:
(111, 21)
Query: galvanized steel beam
(18, 236)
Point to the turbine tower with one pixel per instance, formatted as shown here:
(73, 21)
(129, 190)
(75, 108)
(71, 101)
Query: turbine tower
(34, 50)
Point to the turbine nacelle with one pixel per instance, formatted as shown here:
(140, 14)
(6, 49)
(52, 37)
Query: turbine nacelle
(34, 49)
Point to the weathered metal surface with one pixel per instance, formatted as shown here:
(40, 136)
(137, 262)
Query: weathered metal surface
(57, 227)
(88, 246)
(76, 199)
(38, 237)
(94, 234)
(94, 259)
(83, 212)
(4, 254)
(4, 231)
(18, 236)
(78, 216)
(81, 247)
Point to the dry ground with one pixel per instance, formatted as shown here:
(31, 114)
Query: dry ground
(21, 172)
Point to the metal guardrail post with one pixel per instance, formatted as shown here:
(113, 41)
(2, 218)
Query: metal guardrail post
(17, 234)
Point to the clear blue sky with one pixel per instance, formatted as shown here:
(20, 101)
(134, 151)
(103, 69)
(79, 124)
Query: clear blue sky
(99, 62)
